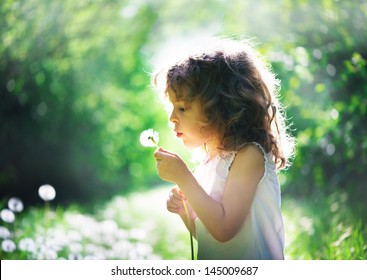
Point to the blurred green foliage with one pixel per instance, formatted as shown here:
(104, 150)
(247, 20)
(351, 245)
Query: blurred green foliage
(73, 98)
(75, 88)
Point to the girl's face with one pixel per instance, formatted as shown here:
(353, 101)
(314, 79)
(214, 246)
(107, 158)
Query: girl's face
(189, 123)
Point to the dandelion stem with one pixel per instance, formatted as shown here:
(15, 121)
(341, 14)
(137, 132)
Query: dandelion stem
(190, 229)
(46, 217)
(151, 138)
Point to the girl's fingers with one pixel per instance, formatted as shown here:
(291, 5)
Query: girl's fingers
(176, 192)
(174, 201)
(173, 204)
(173, 210)
(160, 154)
(167, 152)
(173, 207)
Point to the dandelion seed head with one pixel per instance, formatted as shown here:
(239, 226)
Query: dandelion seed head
(27, 244)
(15, 205)
(7, 216)
(97, 256)
(143, 249)
(138, 234)
(149, 138)
(74, 235)
(4, 233)
(109, 227)
(75, 248)
(122, 248)
(46, 254)
(58, 238)
(8, 246)
(47, 192)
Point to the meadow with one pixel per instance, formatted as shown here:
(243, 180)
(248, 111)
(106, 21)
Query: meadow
(138, 227)
(75, 95)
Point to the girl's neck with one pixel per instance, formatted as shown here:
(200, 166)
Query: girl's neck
(212, 150)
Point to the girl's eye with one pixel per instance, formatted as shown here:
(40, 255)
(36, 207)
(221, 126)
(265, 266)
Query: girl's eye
(182, 109)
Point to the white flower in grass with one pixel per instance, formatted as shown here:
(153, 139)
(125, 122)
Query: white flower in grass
(47, 192)
(143, 250)
(4, 233)
(75, 248)
(122, 248)
(94, 257)
(74, 236)
(138, 234)
(8, 245)
(95, 251)
(46, 254)
(58, 239)
(149, 138)
(7, 216)
(15, 205)
(122, 234)
(27, 244)
(109, 227)
(75, 256)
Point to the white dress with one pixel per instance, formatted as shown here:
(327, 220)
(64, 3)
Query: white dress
(262, 234)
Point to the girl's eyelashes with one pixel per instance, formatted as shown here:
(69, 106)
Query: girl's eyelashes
(180, 106)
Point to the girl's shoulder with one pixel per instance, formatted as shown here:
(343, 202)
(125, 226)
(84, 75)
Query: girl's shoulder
(251, 152)
(251, 157)
(245, 166)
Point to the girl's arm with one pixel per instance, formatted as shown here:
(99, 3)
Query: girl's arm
(222, 219)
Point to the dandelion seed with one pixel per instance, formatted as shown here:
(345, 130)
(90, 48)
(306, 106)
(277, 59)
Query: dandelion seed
(4, 233)
(47, 192)
(8, 246)
(15, 205)
(7, 216)
(149, 138)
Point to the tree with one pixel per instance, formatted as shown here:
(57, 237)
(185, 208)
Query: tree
(72, 92)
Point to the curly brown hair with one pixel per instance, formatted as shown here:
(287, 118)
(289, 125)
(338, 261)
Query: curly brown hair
(237, 92)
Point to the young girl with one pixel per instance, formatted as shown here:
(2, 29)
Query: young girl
(224, 100)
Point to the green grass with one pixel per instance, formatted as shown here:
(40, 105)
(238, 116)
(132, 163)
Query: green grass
(325, 228)
(139, 227)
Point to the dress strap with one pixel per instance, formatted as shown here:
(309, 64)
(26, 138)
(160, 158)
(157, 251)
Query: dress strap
(262, 150)
(229, 158)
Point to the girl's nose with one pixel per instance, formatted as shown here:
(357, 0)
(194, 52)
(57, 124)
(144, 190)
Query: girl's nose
(173, 118)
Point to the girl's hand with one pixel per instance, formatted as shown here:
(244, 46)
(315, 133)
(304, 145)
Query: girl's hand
(175, 204)
(175, 201)
(170, 166)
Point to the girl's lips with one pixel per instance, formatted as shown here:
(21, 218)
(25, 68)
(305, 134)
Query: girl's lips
(178, 134)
